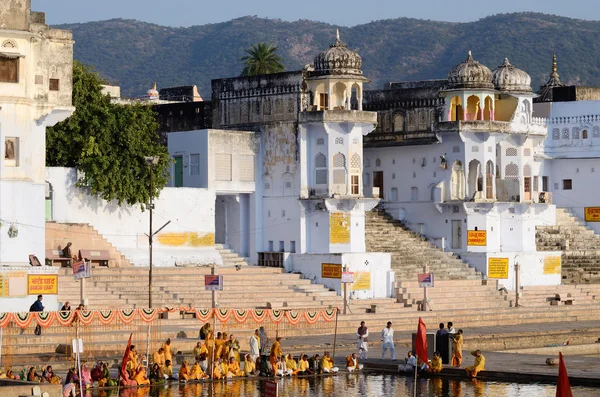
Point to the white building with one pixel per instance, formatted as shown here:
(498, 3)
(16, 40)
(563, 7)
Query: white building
(36, 65)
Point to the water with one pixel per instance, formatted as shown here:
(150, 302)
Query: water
(353, 385)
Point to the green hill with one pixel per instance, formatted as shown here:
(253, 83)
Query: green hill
(134, 54)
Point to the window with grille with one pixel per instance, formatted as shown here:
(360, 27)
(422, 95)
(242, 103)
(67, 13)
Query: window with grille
(354, 184)
(511, 151)
(320, 169)
(223, 167)
(339, 177)
(320, 141)
(339, 141)
(355, 161)
(456, 149)
(535, 183)
(576, 133)
(246, 167)
(54, 83)
(378, 163)
(596, 132)
(555, 134)
(194, 164)
(565, 133)
(511, 172)
(567, 184)
(475, 149)
(339, 160)
(320, 160)
(9, 70)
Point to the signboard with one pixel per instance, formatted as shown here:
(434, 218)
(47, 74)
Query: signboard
(497, 268)
(477, 238)
(42, 284)
(213, 282)
(271, 389)
(82, 269)
(16, 284)
(592, 214)
(347, 277)
(362, 281)
(552, 265)
(425, 280)
(331, 270)
(339, 228)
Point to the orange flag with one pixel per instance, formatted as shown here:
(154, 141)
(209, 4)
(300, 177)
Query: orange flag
(563, 387)
(421, 342)
(125, 358)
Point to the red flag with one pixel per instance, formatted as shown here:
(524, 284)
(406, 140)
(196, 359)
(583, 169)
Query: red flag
(125, 359)
(421, 342)
(563, 387)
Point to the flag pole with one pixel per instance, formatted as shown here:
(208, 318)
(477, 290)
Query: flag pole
(415, 384)
(336, 329)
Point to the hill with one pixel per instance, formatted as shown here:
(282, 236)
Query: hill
(135, 54)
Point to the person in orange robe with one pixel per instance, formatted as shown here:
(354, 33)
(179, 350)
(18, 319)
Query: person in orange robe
(275, 354)
(457, 349)
(197, 373)
(478, 365)
(234, 368)
(184, 371)
(140, 376)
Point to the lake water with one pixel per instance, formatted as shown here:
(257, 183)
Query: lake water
(354, 385)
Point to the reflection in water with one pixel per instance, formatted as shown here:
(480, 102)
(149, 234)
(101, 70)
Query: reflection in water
(350, 385)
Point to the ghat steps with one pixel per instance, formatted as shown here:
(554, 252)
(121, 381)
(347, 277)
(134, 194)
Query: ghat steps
(580, 246)
(410, 251)
(229, 256)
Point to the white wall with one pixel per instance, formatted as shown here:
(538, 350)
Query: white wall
(185, 144)
(22, 303)
(378, 264)
(187, 239)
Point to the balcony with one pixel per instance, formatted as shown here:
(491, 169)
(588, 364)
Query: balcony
(538, 127)
(338, 116)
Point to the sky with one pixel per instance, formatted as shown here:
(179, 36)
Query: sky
(343, 13)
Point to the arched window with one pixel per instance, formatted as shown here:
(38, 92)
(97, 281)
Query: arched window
(355, 173)
(378, 163)
(339, 173)
(267, 186)
(596, 132)
(398, 123)
(475, 149)
(474, 108)
(458, 181)
(456, 109)
(584, 134)
(288, 189)
(566, 134)
(320, 169)
(511, 172)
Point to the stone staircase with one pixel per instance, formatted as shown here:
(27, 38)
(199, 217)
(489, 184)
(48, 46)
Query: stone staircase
(544, 296)
(230, 257)
(410, 251)
(580, 246)
(83, 236)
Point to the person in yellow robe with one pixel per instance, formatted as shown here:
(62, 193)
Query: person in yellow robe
(291, 364)
(184, 371)
(210, 347)
(249, 366)
(218, 370)
(159, 357)
(478, 365)
(140, 376)
(219, 342)
(168, 350)
(132, 364)
(303, 366)
(234, 348)
(327, 364)
(457, 349)
(275, 354)
(196, 373)
(436, 363)
(233, 368)
(352, 364)
(226, 346)
(167, 370)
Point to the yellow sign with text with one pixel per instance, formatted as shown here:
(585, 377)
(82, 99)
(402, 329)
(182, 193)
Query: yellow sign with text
(362, 281)
(331, 270)
(592, 214)
(497, 268)
(42, 284)
(477, 238)
(552, 265)
(339, 228)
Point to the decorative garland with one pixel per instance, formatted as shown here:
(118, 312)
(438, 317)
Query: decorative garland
(127, 316)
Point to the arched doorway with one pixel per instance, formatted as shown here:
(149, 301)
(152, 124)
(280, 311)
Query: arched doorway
(457, 192)
(527, 182)
(488, 111)
(473, 108)
(456, 109)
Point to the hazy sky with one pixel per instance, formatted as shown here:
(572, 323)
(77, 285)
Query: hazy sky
(344, 12)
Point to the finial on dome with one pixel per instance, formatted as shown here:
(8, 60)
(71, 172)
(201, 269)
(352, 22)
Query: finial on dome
(154, 85)
(554, 67)
(506, 63)
(337, 34)
(470, 57)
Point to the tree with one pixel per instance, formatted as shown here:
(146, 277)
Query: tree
(108, 143)
(262, 58)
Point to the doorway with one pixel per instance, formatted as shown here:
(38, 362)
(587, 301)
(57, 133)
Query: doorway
(178, 177)
(378, 182)
(527, 188)
(456, 234)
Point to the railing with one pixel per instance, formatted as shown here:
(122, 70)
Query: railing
(575, 119)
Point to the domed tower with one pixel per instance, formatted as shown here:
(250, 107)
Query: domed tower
(515, 100)
(336, 83)
(152, 93)
(507, 78)
(470, 92)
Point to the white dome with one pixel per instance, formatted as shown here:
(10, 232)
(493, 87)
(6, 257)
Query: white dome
(470, 74)
(509, 78)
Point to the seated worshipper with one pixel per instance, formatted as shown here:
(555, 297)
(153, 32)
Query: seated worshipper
(263, 367)
(327, 364)
(478, 365)
(218, 372)
(303, 366)
(97, 372)
(201, 354)
(197, 373)
(204, 331)
(159, 357)
(32, 376)
(49, 376)
(249, 366)
(436, 363)
(168, 371)
(410, 364)
(282, 368)
(291, 364)
(352, 364)
(86, 376)
(104, 375)
(69, 390)
(156, 375)
(132, 364)
(184, 372)
(234, 348)
(234, 368)
(126, 381)
(140, 376)
(10, 375)
(314, 364)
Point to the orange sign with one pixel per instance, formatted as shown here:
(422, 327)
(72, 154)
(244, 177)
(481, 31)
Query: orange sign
(42, 284)
(331, 270)
(592, 214)
(477, 238)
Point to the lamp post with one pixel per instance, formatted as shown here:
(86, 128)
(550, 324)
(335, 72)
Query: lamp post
(151, 161)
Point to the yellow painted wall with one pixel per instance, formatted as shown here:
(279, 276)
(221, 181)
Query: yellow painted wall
(186, 239)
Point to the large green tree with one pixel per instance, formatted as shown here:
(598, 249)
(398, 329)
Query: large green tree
(262, 58)
(108, 142)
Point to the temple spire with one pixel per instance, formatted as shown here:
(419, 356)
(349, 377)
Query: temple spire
(337, 34)
(554, 67)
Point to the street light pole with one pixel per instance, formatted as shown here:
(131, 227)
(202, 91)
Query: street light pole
(150, 239)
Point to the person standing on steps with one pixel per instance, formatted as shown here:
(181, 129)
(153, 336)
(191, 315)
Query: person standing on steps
(387, 339)
(451, 329)
(363, 343)
(36, 307)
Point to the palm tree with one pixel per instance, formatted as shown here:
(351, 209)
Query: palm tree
(262, 58)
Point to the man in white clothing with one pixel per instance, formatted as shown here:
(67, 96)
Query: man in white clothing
(363, 346)
(411, 364)
(387, 339)
(255, 345)
(451, 329)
